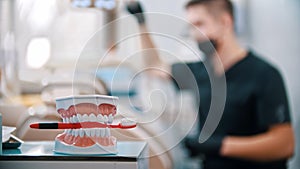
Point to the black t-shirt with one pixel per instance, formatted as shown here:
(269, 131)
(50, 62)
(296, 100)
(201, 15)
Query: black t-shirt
(256, 99)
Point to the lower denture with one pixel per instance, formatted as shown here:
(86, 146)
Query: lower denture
(61, 136)
(69, 139)
(83, 141)
(106, 141)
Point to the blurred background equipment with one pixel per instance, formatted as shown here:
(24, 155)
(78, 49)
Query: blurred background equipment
(9, 60)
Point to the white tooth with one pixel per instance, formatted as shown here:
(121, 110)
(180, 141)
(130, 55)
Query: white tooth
(79, 117)
(110, 119)
(107, 132)
(105, 118)
(102, 132)
(69, 131)
(97, 132)
(93, 132)
(64, 120)
(73, 132)
(88, 132)
(74, 119)
(66, 131)
(92, 118)
(100, 118)
(71, 119)
(85, 118)
(67, 120)
(76, 132)
(81, 132)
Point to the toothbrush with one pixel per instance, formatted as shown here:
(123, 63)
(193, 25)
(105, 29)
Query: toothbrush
(125, 124)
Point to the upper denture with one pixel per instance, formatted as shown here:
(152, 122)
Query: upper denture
(106, 109)
(89, 108)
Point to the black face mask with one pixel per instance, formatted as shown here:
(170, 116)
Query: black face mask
(208, 47)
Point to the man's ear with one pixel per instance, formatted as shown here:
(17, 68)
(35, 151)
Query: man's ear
(227, 21)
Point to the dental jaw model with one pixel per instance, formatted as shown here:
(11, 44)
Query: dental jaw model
(86, 110)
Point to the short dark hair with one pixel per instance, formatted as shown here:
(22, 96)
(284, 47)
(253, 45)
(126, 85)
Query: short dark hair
(214, 6)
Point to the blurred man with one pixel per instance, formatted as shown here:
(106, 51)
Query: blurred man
(255, 130)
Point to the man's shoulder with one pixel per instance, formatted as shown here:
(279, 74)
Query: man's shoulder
(261, 65)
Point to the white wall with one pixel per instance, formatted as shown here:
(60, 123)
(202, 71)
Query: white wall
(275, 34)
(170, 20)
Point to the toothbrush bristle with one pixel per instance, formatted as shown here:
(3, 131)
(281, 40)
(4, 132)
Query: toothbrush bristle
(127, 122)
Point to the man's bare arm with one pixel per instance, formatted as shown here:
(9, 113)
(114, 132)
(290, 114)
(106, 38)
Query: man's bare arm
(150, 53)
(277, 143)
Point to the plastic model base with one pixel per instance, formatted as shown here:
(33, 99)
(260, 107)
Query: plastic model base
(62, 148)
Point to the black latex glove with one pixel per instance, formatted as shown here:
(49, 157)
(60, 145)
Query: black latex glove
(136, 9)
(210, 147)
